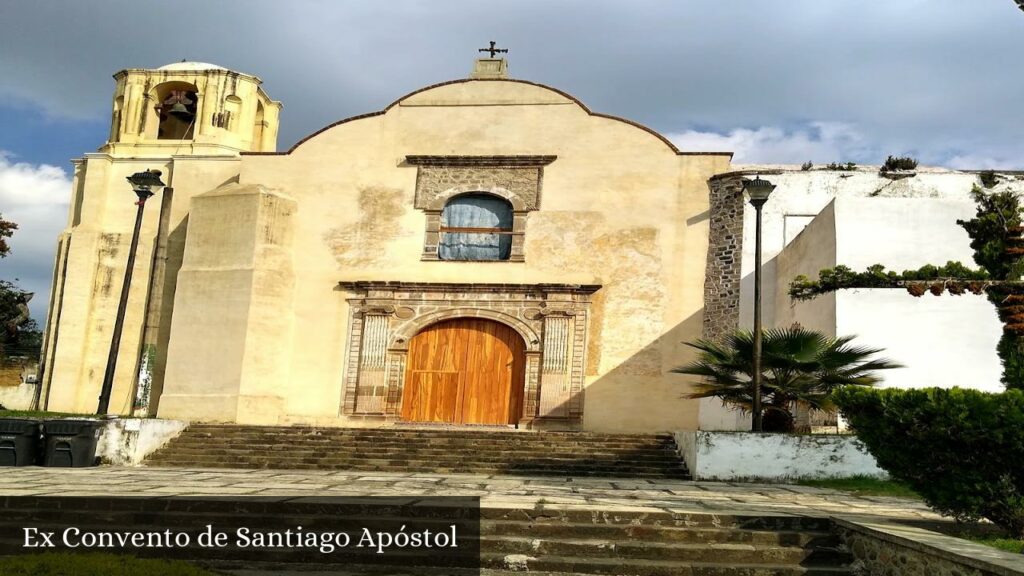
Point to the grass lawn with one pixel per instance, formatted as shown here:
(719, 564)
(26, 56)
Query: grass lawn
(1007, 544)
(863, 486)
(41, 415)
(94, 564)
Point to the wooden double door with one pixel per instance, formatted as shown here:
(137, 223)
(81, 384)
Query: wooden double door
(465, 371)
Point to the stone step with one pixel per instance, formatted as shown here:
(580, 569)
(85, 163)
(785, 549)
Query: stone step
(405, 443)
(432, 432)
(489, 529)
(650, 518)
(303, 451)
(269, 569)
(333, 462)
(626, 525)
(668, 534)
(683, 552)
(433, 469)
(555, 541)
(424, 450)
(594, 566)
(400, 442)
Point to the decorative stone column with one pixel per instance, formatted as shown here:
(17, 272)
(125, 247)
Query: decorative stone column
(556, 385)
(371, 387)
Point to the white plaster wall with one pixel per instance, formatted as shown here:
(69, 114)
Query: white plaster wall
(943, 341)
(730, 456)
(799, 194)
(17, 397)
(127, 441)
(902, 233)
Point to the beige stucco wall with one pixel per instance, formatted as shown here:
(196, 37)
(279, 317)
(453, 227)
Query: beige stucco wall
(619, 208)
(241, 340)
(813, 250)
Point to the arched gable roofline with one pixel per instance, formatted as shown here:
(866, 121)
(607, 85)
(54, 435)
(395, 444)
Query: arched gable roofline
(566, 95)
(404, 333)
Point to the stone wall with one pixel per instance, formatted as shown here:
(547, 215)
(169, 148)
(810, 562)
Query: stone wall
(725, 249)
(895, 550)
(517, 179)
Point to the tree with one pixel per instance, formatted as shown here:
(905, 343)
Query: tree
(7, 229)
(996, 237)
(799, 366)
(19, 334)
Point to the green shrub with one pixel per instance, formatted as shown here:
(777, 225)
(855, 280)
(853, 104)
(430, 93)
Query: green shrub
(988, 178)
(961, 450)
(893, 163)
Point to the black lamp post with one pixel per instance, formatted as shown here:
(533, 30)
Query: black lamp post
(758, 190)
(143, 184)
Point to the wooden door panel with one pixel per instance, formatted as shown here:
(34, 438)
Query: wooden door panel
(488, 360)
(430, 397)
(488, 385)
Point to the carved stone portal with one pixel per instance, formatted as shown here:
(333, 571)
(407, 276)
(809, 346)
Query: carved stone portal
(551, 319)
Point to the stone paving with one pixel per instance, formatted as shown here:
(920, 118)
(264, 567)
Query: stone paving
(495, 491)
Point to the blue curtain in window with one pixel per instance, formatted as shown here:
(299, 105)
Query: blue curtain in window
(476, 211)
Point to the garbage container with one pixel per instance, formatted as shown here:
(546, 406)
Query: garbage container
(70, 443)
(19, 442)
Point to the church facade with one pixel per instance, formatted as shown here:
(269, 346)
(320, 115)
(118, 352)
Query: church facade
(484, 251)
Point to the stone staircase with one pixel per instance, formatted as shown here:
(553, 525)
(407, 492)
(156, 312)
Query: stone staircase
(539, 541)
(441, 450)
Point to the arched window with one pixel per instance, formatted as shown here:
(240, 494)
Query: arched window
(476, 227)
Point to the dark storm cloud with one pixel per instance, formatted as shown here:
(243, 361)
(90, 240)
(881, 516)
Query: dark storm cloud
(774, 80)
(938, 78)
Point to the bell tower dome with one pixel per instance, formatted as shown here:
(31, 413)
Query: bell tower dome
(190, 108)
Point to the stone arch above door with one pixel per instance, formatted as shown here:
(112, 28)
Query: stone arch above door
(552, 319)
(406, 330)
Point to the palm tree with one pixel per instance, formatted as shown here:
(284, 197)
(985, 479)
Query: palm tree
(800, 368)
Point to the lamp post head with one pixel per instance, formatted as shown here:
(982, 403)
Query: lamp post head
(144, 182)
(759, 190)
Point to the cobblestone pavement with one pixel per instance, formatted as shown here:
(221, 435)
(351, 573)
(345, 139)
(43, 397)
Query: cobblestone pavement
(495, 491)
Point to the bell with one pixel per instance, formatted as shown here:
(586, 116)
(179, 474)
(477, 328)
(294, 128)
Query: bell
(180, 111)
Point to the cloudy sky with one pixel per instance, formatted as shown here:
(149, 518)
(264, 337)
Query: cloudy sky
(772, 80)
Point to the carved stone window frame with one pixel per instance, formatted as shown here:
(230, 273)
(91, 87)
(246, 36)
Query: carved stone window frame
(384, 316)
(517, 179)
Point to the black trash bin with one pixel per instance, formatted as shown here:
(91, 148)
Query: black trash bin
(19, 442)
(70, 443)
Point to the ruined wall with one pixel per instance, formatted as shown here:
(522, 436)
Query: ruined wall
(725, 250)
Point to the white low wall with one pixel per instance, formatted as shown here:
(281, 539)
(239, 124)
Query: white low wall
(127, 441)
(17, 397)
(774, 457)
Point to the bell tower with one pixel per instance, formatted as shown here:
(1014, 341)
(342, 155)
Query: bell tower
(190, 108)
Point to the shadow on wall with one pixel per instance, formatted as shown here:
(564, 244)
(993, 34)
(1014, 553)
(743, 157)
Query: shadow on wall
(640, 394)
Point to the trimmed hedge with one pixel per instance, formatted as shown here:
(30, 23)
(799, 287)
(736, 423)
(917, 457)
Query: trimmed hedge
(961, 450)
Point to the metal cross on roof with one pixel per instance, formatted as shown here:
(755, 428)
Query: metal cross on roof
(493, 50)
